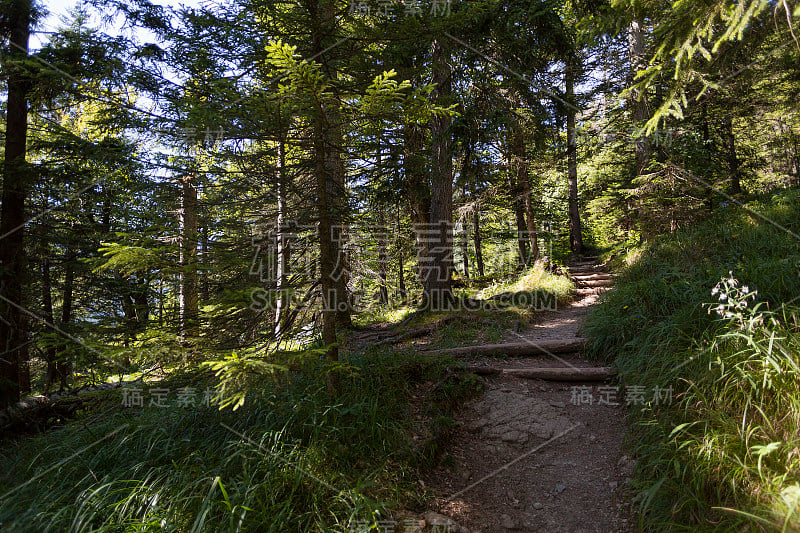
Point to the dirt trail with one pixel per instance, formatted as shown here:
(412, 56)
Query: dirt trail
(534, 455)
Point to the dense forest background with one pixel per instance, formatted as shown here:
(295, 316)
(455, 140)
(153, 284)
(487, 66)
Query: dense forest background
(236, 185)
(181, 183)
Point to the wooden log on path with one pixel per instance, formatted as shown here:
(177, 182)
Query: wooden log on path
(548, 374)
(532, 347)
(595, 283)
(589, 277)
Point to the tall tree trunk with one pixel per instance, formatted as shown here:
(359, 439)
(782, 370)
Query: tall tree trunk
(24, 360)
(708, 193)
(383, 290)
(330, 180)
(476, 228)
(12, 219)
(161, 302)
(465, 170)
(575, 237)
(282, 251)
(437, 287)
(418, 191)
(522, 228)
(327, 251)
(465, 248)
(530, 220)
(638, 101)
(734, 170)
(516, 170)
(205, 288)
(476, 239)
(401, 278)
(337, 204)
(401, 274)
(189, 303)
(129, 310)
(63, 364)
(50, 352)
(141, 305)
(523, 186)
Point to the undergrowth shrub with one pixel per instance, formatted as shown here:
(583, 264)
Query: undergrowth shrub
(712, 311)
(291, 458)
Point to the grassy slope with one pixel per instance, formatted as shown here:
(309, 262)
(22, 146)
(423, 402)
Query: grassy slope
(294, 459)
(725, 452)
(308, 463)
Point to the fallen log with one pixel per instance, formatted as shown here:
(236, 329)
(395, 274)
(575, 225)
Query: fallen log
(548, 374)
(595, 283)
(480, 370)
(416, 333)
(37, 413)
(533, 347)
(589, 277)
(564, 373)
(588, 291)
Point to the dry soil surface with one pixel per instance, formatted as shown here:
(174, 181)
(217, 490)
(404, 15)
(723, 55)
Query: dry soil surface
(533, 455)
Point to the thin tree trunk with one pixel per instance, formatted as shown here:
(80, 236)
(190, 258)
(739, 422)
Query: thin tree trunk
(51, 353)
(418, 192)
(639, 106)
(708, 191)
(63, 365)
(465, 249)
(337, 204)
(464, 223)
(326, 254)
(161, 303)
(732, 157)
(796, 159)
(401, 274)
(329, 180)
(205, 290)
(24, 360)
(517, 145)
(141, 306)
(437, 287)
(523, 186)
(12, 219)
(383, 290)
(530, 220)
(476, 228)
(476, 239)
(382, 270)
(522, 228)
(282, 252)
(189, 304)
(575, 237)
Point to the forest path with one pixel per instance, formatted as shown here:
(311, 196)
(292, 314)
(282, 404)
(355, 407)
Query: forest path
(533, 455)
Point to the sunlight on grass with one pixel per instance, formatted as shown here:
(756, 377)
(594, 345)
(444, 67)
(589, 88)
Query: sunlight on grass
(383, 315)
(290, 459)
(711, 311)
(535, 278)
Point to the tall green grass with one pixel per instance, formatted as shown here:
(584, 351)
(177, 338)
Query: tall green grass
(291, 459)
(724, 455)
